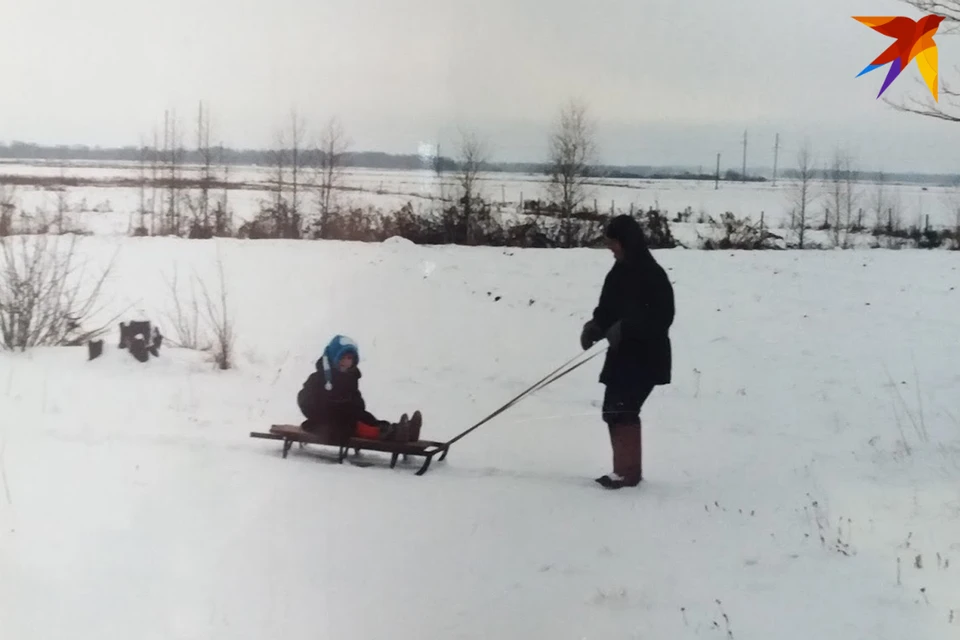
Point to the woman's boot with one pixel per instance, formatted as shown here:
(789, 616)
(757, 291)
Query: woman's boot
(632, 444)
(617, 477)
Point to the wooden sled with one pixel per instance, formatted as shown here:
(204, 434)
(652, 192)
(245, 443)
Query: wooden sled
(289, 434)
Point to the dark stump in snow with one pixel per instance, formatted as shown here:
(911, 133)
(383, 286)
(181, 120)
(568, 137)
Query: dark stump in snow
(95, 349)
(141, 339)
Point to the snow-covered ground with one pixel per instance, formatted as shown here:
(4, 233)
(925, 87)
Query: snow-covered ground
(102, 209)
(802, 471)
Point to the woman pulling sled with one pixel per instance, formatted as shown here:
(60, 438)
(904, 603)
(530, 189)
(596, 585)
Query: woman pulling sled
(634, 314)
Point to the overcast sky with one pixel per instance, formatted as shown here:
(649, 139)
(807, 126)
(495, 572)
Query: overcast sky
(668, 81)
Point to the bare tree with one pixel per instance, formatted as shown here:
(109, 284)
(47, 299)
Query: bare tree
(951, 199)
(221, 321)
(572, 150)
(155, 167)
(45, 298)
(803, 190)
(298, 135)
(173, 157)
(212, 330)
(8, 205)
(278, 161)
(473, 155)
(206, 175)
(853, 195)
(185, 317)
(200, 207)
(878, 199)
(141, 230)
(333, 145)
(438, 172)
(842, 181)
(223, 221)
(288, 159)
(63, 206)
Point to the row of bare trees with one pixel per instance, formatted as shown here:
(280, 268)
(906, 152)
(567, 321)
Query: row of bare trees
(839, 191)
(178, 205)
(572, 150)
(301, 163)
(844, 199)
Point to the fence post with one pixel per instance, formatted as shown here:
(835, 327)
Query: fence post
(761, 224)
(631, 208)
(613, 208)
(595, 208)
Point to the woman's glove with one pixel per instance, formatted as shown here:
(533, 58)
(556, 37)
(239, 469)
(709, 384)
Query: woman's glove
(590, 335)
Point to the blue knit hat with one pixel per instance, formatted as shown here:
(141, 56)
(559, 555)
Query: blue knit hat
(336, 349)
(339, 347)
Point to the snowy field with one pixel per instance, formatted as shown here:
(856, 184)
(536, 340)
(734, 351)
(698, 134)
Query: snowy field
(803, 471)
(111, 209)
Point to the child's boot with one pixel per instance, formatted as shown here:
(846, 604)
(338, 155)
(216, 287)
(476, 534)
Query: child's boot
(415, 423)
(395, 431)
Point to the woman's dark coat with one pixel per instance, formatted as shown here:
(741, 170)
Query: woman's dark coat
(636, 293)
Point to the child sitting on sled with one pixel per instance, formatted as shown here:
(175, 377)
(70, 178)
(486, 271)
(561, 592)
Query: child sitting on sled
(331, 398)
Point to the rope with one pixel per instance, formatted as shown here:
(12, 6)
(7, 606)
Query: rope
(544, 382)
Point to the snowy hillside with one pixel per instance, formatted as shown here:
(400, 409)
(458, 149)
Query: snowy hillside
(802, 472)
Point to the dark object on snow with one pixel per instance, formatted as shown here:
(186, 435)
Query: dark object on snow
(134, 336)
(157, 341)
(138, 348)
(129, 330)
(94, 349)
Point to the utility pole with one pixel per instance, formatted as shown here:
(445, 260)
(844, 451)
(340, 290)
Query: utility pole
(776, 154)
(743, 173)
(716, 182)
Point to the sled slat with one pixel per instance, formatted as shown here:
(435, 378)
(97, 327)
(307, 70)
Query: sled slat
(294, 433)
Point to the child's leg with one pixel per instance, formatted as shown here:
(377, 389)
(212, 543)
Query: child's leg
(367, 431)
(387, 430)
(368, 418)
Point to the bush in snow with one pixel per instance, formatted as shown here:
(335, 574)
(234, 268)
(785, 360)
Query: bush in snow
(45, 300)
(209, 330)
(657, 229)
(738, 233)
(273, 222)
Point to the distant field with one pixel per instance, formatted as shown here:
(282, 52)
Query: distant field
(107, 194)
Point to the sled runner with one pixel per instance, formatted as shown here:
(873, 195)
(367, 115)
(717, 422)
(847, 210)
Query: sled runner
(289, 434)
